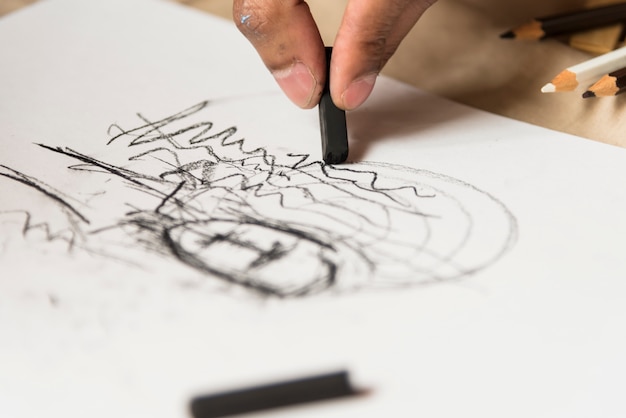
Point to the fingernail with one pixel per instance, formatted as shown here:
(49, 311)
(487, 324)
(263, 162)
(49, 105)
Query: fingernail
(358, 91)
(297, 82)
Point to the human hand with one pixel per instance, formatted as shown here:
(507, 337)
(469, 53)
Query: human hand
(288, 41)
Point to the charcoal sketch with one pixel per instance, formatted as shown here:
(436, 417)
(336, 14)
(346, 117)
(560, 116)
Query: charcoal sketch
(184, 189)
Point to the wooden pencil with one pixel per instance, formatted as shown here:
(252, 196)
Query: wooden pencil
(570, 78)
(563, 23)
(610, 84)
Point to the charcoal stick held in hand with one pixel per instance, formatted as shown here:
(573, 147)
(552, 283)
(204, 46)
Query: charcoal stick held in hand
(332, 124)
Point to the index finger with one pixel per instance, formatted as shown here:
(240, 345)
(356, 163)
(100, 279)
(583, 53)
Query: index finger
(288, 41)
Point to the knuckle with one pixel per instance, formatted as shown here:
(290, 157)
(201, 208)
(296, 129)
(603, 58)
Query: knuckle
(376, 47)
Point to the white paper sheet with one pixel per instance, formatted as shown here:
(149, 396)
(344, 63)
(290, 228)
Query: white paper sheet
(167, 230)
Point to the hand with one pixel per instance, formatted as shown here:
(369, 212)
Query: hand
(286, 37)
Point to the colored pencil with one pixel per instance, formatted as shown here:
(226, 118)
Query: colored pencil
(592, 69)
(554, 25)
(610, 84)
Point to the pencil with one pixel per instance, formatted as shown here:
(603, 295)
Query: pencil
(610, 84)
(332, 123)
(592, 69)
(548, 26)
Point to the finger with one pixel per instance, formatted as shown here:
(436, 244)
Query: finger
(288, 41)
(370, 33)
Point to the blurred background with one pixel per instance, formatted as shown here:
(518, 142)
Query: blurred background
(456, 51)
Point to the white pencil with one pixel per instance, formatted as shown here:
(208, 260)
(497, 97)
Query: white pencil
(571, 77)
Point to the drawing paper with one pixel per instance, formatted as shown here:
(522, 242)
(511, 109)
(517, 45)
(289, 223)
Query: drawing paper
(168, 229)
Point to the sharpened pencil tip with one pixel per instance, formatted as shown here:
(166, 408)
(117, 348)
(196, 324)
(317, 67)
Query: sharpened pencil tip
(507, 35)
(588, 94)
(548, 88)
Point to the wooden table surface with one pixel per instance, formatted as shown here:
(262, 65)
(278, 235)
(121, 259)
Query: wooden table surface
(455, 51)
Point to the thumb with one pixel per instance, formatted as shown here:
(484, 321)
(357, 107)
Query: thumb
(369, 34)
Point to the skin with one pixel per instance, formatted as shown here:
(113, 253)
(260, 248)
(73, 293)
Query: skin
(288, 41)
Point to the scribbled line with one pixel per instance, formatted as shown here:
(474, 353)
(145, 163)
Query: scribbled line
(259, 159)
(160, 229)
(42, 188)
(283, 229)
(73, 216)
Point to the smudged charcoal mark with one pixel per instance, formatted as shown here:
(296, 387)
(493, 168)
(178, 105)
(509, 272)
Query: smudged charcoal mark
(53, 300)
(245, 277)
